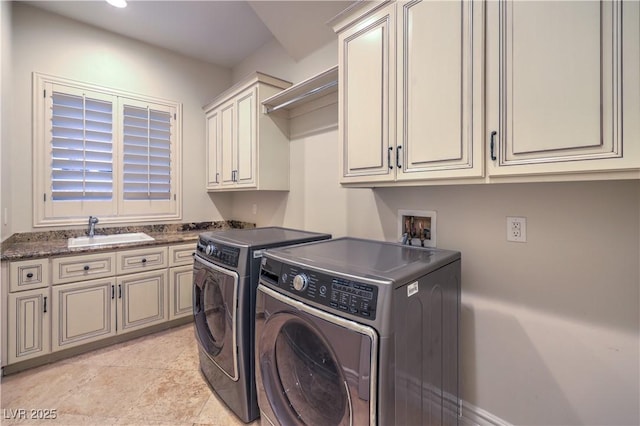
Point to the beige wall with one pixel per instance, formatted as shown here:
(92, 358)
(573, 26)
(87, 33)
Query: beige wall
(550, 328)
(50, 44)
(5, 114)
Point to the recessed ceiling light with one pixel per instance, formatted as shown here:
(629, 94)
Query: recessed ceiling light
(118, 3)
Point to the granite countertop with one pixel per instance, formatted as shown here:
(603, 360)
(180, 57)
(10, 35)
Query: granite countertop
(31, 245)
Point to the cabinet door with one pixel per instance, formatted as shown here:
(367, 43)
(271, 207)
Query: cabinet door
(180, 291)
(213, 149)
(142, 300)
(29, 325)
(440, 89)
(228, 162)
(247, 138)
(366, 103)
(83, 312)
(554, 78)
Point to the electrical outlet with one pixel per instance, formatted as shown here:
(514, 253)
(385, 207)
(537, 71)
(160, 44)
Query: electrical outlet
(254, 209)
(517, 229)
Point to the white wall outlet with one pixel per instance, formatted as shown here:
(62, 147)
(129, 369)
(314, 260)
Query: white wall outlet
(517, 229)
(254, 209)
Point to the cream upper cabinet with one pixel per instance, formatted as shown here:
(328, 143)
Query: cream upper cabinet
(434, 92)
(562, 86)
(213, 149)
(366, 97)
(440, 89)
(411, 92)
(247, 149)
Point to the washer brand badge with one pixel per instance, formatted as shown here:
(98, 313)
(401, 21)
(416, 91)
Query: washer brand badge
(257, 254)
(412, 289)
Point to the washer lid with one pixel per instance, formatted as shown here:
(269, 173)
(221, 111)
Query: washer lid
(263, 237)
(366, 258)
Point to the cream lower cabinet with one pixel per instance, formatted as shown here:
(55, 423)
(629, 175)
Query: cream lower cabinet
(247, 149)
(83, 312)
(564, 96)
(132, 295)
(181, 280)
(69, 301)
(93, 310)
(411, 92)
(181, 288)
(142, 300)
(29, 324)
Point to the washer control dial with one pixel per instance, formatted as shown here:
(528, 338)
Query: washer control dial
(300, 282)
(210, 249)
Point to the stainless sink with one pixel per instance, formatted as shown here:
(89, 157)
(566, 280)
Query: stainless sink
(101, 240)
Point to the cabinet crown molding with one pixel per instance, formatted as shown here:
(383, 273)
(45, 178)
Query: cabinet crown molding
(244, 83)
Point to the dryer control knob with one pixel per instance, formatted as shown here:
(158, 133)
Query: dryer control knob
(210, 249)
(300, 282)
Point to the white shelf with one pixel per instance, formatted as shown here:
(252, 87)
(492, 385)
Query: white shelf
(306, 91)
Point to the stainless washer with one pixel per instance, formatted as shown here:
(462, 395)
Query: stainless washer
(358, 332)
(226, 270)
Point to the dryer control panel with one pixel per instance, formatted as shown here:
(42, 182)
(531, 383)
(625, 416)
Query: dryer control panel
(216, 252)
(353, 297)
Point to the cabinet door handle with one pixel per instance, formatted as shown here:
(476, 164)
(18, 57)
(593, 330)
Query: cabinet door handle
(45, 304)
(217, 177)
(119, 291)
(144, 260)
(86, 267)
(389, 157)
(492, 145)
(113, 292)
(30, 275)
(398, 165)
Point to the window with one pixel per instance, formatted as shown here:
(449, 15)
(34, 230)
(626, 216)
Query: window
(102, 152)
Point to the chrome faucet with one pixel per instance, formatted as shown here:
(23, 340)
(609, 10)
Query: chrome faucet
(92, 225)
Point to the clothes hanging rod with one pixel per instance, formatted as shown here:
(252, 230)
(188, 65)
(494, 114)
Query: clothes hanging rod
(310, 88)
(303, 96)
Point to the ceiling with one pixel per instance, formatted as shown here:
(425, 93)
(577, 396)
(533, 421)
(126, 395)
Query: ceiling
(219, 32)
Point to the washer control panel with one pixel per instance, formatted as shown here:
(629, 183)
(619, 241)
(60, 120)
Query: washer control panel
(220, 253)
(353, 297)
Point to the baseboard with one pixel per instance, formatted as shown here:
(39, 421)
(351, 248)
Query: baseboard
(476, 416)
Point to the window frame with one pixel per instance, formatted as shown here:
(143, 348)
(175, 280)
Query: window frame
(46, 212)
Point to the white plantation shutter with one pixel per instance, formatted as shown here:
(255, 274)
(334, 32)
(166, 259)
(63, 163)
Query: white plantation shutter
(146, 154)
(81, 148)
(103, 152)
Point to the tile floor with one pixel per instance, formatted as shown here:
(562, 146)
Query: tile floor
(152, 380)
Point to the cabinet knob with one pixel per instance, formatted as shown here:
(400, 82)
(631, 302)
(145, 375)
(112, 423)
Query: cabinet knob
(30, 275)
(86, 267)
(144, 260)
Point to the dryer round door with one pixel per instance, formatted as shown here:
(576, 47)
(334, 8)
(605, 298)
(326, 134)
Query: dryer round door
(214, 309)
(311, 372)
